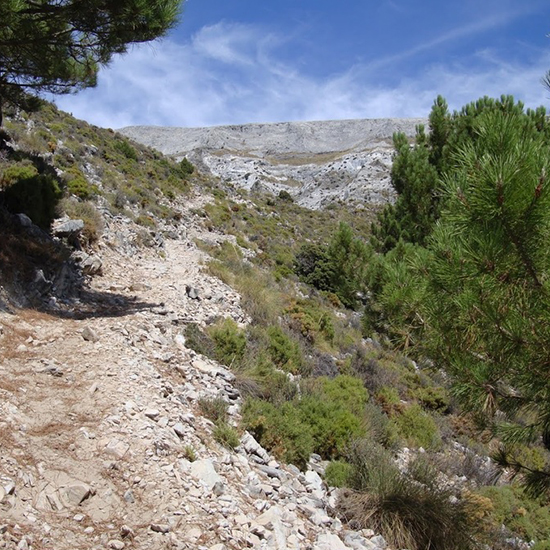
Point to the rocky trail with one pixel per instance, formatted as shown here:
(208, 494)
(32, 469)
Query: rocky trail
(99, 421)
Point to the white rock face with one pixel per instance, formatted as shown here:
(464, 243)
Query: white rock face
(318, 163)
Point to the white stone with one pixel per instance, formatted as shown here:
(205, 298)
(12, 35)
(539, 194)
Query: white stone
(203, 470)
(328, 541)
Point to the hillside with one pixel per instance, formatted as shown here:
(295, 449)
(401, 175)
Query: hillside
(318, 163)
(169, 380)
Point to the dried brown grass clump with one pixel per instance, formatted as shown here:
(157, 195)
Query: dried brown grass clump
(409, 510)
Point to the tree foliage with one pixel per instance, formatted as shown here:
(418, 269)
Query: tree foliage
(59, 45)
(475, 296)
(338, 267)
(418, 169)
(487, 302)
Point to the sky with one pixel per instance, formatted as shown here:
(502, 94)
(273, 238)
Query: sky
(242, 61)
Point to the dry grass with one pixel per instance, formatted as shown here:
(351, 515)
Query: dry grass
(409, 515)
(410, 511)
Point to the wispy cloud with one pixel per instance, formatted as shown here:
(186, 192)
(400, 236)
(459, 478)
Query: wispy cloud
(495, 19)
(230, 74)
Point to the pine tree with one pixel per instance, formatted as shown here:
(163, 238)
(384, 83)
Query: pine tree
(418, 169)
(59, 45)
(487, 307)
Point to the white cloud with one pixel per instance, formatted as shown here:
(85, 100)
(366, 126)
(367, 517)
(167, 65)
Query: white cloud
(231, 74)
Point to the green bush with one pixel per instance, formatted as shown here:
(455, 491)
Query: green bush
(78, 185)
(325, 416)
(331, 425)
(434, 398)
(337, 473)
(230, 341)
(280, 430)
(226, 435)
(417, 427)
(339, 267)
(345, 391)
(186, 168)
(285, 196)
(124, 147)
(283, 351)
(25, 190)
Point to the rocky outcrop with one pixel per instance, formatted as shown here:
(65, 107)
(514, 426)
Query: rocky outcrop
(318, 163)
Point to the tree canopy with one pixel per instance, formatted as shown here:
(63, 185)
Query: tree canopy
(468, 287)
(58, 46)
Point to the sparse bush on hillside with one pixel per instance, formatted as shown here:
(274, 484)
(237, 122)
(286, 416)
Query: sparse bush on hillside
(214, 409)
(229, 340)
(284, 352)
(310, 320)
(88, 213)
(24, 190)
(124, 147)
(226, 435)
(285, 196)
(339, 267)
(186, 168)
(417, 427)
(78, 185)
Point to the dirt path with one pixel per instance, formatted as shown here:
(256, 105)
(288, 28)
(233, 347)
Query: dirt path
(88, 405)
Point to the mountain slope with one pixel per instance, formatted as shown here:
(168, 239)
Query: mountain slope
(318, 163)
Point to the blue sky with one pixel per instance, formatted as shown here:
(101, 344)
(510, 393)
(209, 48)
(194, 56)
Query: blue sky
(239, 61)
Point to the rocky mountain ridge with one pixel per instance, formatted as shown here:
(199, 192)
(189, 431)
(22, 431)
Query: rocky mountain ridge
(317, 163)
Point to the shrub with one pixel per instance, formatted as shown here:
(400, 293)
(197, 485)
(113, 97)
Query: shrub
(310, 320)
(230, 341)
(337, 473)
(280, 430)
(199, 341)
(77, 184)
(123, 147)
(345, 391)
(214, 409)
(331, 425)
(186, 168)
(417, 427)
(285, 196)
(378, 426)
(88, 213)
(24, 190)
(146, 221)
(339, 267)
(388, 398)
(284, 352)
(434, 398)
(226, 435)
(273, 385)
